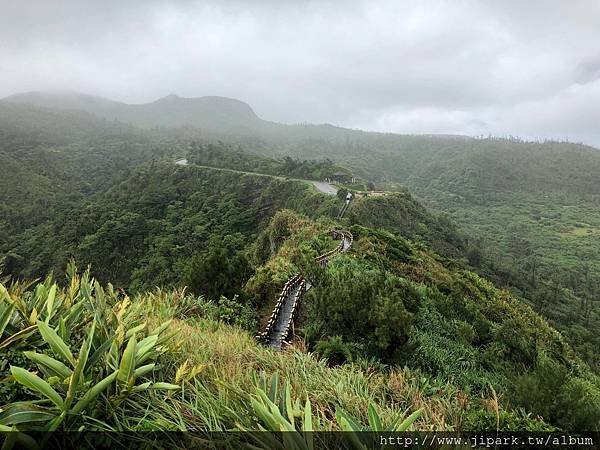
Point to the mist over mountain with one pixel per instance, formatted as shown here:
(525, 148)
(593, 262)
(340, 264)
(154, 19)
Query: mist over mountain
(94, 181)
(446, 163)
(215, 113)
(299, 225)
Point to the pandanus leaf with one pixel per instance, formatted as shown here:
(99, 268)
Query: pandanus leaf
(406, 423)
(50, 303)
(165, 386)
(307, 425)
(374, 420)
(143, 370)
(90, 395)
(25, 412)
(127, 365)
(77, 374)
(6, 312)
(18, 336)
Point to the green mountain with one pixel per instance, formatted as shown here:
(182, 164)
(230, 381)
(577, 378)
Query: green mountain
(529, 210)
(396, 333)
(50, 156)
(213, 113)
(413, 318)
(146, 230)
(476, 169)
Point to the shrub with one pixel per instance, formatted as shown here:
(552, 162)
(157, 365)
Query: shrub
(116, 351)
(335, 351)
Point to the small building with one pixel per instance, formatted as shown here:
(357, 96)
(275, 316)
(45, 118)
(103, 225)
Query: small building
(343, 177)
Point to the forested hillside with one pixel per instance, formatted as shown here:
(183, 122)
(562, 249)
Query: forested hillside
(75, 185)
(52, 157)
(147, 230)
(398, 333)
(414, 318)
(526, 210)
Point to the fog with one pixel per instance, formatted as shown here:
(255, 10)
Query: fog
(530, 69)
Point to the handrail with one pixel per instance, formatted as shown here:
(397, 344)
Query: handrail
(345, 207)
(297, 283)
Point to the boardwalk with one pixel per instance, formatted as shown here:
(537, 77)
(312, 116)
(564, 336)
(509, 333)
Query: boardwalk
(286, 315)
(280, 325)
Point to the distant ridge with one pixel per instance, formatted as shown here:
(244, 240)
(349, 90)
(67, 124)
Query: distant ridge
(215, 113)
(455, 165)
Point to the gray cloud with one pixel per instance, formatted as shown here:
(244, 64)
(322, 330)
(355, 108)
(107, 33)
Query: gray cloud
(471, 67)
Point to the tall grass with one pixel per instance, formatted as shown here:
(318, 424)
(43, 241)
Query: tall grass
(230, 358)
(213, 368)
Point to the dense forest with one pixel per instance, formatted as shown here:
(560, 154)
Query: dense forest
(144, 231)
(468, 301)
(561, 287)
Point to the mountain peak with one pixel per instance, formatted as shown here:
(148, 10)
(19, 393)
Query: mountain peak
(169, 97)
(170, 111)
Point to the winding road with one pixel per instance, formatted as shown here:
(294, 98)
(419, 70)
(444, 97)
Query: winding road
(321, 186)
(324, 187)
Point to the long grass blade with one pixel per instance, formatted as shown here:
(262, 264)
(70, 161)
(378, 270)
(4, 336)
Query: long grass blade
(35, 383)
(54, 365)
(57, 345)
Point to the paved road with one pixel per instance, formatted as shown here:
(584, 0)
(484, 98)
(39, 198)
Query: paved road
(324, 187)
(321, 186)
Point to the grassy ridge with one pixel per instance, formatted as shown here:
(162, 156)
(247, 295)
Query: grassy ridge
(204, 373)
(398, 302)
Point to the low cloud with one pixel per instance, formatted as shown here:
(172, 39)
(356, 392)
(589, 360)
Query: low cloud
(468, 67)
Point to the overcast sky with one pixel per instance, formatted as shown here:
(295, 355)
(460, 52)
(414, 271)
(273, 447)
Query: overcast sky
(527, 68)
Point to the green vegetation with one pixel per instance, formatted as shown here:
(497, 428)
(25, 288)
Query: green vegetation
(402, 214)
(547, 257)
(493, 325)
(52, 158)
(398, 302)
(234, 157)
(547, 254)
(147, 230)
(98, 359)
(115, 349)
